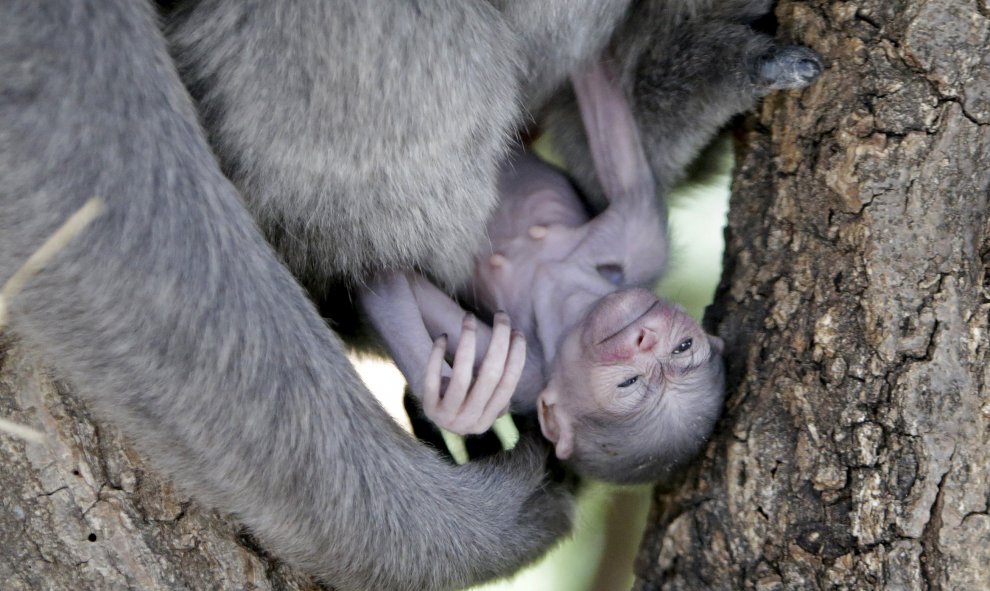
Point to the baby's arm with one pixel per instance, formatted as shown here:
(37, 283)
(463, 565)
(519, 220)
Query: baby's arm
(457, 399)
(613, 138)
(626, 242)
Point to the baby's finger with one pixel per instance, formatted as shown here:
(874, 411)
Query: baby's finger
(514, 365)
(431, 383)
(460, 377)
(490, 372)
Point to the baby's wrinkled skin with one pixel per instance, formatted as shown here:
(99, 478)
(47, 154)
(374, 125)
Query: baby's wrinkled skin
(631, 345)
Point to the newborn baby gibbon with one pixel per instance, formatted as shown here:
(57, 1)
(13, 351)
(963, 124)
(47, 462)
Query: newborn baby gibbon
(625, 385)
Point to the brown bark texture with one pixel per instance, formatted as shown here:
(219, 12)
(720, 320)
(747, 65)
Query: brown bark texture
(83, 511)
(854, 452)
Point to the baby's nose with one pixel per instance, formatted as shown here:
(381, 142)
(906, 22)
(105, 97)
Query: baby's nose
(646, 340)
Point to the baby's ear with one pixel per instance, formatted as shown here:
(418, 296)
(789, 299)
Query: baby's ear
(556, 424)
(717, 343)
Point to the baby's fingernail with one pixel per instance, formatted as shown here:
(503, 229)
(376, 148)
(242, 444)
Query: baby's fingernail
(469, 321)
(537, 232)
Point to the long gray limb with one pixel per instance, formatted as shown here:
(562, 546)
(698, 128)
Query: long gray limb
(687, 68)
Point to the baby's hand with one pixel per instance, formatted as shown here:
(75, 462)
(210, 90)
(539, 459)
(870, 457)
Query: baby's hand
(464, 407)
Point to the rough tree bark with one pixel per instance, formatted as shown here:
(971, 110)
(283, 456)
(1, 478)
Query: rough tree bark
(855, 448)
(83, 511)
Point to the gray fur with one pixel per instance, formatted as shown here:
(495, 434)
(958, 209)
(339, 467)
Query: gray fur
(558, 38)
(340, 134)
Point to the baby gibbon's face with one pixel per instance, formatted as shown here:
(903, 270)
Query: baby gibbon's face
(629, 350)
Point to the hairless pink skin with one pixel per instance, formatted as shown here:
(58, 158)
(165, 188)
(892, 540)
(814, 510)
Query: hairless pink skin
(571, 285)
(414, 317)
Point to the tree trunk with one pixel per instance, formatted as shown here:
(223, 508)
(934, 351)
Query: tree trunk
(855, 448)
(82, 511)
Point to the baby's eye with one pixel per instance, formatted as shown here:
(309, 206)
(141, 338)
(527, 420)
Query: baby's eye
(612, 273)
(629, 382)
(684, 346)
